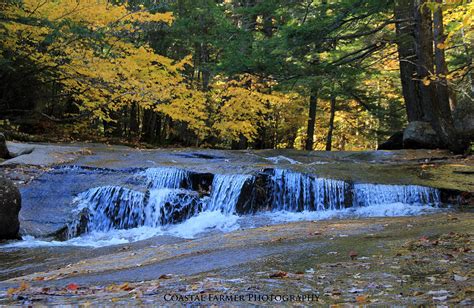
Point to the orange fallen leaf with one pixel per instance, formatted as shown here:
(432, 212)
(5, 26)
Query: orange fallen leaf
(361, 299)
(72, 287)
(23, 286)
(125, 287)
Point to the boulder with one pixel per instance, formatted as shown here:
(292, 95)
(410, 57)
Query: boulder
(420, 135)
(10, 205)
(464, 121)
(395, 142)
(4, 153)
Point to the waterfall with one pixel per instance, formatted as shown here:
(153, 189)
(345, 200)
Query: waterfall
(166, 206)
(293, 191)
(169, 198)
(226, 192)
(112, 207)
(373, 194)
(115, 207)
(167, 177)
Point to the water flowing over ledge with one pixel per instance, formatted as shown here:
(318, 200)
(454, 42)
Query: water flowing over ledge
(177, 202)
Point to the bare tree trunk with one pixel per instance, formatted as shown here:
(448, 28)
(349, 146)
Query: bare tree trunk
(313, 102)
(424, 53)
(434, 107)
(442, 89)
(134, 125)
(405, 11)
(331, 123)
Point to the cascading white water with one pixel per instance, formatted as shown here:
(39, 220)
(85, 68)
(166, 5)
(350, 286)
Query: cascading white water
(166, 201)
(167, 206)
(167, 177)
(293, 191)
(115, 207)
(112, 207)
(226, 191)
(373, 194)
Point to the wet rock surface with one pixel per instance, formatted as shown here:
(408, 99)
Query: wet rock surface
(54, 189)
(408, 261)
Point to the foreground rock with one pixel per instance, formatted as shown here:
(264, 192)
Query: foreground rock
(10, 205)
(3, 147)
(420, 135)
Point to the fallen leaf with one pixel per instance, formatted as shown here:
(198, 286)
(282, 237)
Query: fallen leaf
(11, 291)
(279, 275)
(23, 286)
(164, 276)
(72, 287)
(125, 287)
(361, 299)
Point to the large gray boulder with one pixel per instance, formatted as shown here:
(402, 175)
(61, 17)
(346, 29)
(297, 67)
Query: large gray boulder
(420, 135)
(464, 121)
(4, 153)
(10, 205)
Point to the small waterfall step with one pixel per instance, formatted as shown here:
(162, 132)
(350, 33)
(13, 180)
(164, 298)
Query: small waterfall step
(169, 195)
(373, 194)
(167, 177)
(226, 192)
(294, 192)
(114, 207)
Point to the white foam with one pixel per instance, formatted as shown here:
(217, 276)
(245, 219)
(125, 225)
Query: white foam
(210, 221)
(204, 222)
(379, 210)
(277, 159)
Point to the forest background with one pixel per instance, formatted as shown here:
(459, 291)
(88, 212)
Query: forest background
(304, 74)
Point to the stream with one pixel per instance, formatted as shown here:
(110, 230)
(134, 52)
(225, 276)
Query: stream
(97, 207)
(100, 216)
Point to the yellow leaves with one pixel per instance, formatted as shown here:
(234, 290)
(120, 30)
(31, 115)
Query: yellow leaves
(426, 81)
(243, 105)
(107, 73)
(441, 46)
(23, 287)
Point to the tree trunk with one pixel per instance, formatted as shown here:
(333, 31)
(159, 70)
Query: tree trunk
(442, 89)
(404, 11)
(158, 131)
(134, 125)
(149, 125)
(434, 107)
(424, 53)
(331, 123)
(313, 101)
